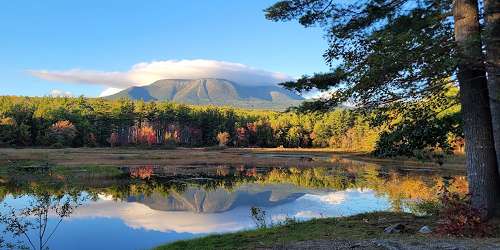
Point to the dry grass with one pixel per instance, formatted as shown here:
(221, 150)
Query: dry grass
(186, 157)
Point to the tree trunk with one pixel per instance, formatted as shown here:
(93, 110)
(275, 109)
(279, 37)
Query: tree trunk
(492, 38)
(481, 162)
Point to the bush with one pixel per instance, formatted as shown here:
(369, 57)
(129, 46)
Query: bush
(427, 207)
(223, 138)
(458, 218)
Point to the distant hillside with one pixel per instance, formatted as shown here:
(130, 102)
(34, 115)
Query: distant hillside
(212, 91)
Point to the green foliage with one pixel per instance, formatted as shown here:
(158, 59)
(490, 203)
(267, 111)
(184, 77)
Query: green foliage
(384, 51)
(61, 133)
(427, 207)
(419, 128)
(7, 131)
(63, 122)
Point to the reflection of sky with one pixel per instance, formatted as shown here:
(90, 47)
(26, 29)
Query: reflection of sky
(325, 204)
(132, 225)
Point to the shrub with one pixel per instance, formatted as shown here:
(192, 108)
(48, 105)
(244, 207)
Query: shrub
(458, 218)
(427, 207)
(223, 138)
(62, 133)
(142, 172)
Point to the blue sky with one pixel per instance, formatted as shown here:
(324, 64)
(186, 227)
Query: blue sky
(96, 39)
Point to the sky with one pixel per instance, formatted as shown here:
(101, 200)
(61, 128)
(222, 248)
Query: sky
(96, 47)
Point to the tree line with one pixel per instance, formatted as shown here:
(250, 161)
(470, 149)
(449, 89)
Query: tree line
(79, 122)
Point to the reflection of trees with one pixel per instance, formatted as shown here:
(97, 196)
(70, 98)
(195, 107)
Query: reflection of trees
(399, 188)
(31, 222)
(122, 183)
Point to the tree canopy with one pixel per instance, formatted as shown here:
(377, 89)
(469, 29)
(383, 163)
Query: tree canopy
(380, 51)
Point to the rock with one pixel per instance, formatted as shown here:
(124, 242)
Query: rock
(396, 228)
(425, 230)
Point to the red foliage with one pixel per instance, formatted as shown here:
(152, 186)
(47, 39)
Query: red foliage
(143, 172)
(241, 137)
(251, 172)
(252, 127)
(458, 218)
(146, 135)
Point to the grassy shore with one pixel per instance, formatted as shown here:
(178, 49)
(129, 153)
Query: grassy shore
(364, 231)
(188, 157)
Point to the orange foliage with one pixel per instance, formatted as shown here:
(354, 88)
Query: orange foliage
(143, 172)
(146, 135)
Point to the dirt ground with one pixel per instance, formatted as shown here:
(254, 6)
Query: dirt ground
(395, 244)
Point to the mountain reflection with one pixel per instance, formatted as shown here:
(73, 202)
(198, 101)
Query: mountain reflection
(209, 199)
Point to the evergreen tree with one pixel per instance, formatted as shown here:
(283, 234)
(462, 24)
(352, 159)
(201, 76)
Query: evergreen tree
(387, 51)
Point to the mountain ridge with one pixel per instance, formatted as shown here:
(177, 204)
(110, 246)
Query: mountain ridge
(212, 91)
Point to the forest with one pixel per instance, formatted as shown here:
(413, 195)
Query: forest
(413, 129)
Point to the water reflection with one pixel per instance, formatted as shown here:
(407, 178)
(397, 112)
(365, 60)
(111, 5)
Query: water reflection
(27, 224)
(142, 206)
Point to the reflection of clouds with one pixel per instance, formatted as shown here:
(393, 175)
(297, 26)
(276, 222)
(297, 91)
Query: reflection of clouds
(137, 216)
(308, 214)
(313, 204)
(342, 203)
(333, 198)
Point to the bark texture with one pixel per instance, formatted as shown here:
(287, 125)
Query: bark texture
(492, 39)
(481, 162)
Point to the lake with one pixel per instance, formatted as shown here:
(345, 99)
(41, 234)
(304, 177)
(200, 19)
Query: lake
(139, 207)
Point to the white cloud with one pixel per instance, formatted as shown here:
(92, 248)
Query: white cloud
(59, 93)
(109, 91)
(148, 72)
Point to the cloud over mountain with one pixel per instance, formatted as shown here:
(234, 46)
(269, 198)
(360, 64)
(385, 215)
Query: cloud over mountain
(147, 72)
(60, 93)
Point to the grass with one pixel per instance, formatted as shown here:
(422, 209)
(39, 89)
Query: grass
(358, 227)
(183, 157)
(101, 171)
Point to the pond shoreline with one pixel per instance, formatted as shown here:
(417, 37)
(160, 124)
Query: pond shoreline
(186, 157)
(220, 186)
(363, 231)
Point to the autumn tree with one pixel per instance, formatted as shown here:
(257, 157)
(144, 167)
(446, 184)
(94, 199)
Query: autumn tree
(223, 138)
(387, 51)
(62, 133)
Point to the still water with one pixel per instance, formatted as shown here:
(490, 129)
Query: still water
(139, 207)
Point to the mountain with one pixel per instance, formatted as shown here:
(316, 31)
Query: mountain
(220, 200)
(209, 91)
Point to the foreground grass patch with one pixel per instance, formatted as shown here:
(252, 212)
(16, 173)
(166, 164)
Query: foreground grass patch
(363, 226)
